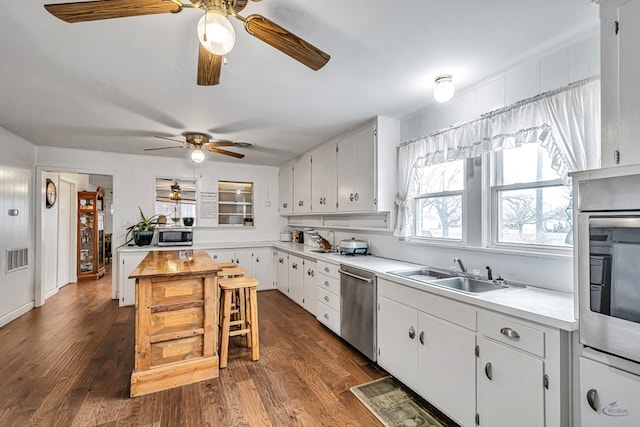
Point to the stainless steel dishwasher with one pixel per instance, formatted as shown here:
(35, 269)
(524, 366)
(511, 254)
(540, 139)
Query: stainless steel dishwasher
(358, 309)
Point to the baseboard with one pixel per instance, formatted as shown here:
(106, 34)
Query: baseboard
(16, 313)
(51, 293)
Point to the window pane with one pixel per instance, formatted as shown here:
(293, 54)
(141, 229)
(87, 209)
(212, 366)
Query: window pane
(442, 177)
(529, 163)
(439, 217)
(540, 216)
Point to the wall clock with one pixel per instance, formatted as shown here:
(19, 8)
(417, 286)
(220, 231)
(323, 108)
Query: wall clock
(51, 193)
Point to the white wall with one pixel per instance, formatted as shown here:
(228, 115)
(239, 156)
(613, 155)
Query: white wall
(17, 160)
(570, 63)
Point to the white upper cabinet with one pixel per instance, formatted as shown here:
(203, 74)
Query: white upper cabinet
(367, 167)
(324, 178)
(359, 177)
(620, 88)
(286, 189)
(302, 184)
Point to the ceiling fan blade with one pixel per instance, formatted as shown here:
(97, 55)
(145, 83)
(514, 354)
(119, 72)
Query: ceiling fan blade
(221, 143)
(107, 9)
(209, 66)
(286, 42)
(162, 148)
(226, 153)
(171, 139)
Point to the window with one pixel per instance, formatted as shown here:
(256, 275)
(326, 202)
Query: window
(175, 199)
(530, 205)
(439, 207)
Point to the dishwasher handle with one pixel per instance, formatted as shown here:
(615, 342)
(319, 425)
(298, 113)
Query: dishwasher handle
(355, 276)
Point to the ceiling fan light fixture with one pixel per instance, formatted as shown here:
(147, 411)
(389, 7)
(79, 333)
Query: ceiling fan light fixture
(215, 32)
(197, 156)
(444, 89)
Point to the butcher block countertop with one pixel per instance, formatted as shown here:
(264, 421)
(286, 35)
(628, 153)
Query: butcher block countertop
(175, 263)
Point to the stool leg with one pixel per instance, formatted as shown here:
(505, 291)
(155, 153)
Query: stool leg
(253, 307)
(247, 316)
(226, 317)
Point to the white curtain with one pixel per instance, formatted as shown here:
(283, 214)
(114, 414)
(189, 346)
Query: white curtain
(566, 122)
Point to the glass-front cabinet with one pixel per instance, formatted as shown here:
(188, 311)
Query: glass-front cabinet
(91, 237)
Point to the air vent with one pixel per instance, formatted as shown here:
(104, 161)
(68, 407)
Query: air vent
(17, 259)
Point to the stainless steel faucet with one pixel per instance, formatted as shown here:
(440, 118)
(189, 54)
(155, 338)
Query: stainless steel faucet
(333, 241)
(462, 268)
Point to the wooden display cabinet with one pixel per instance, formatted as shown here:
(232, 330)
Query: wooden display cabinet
(91, 237)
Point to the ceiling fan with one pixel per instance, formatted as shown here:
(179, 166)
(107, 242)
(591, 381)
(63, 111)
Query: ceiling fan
(215, 32)
(198, 142)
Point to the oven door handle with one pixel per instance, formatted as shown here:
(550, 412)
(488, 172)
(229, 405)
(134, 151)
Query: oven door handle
(355, 276)
(622, 222)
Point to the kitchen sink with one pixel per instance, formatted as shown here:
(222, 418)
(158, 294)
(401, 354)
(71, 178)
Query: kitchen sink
(451, 281)
(422, 274)
(468, 284)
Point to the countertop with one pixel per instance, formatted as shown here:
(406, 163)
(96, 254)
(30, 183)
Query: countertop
(175, 263)
(547, 307)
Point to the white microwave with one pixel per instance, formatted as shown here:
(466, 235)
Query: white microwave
(175, 236)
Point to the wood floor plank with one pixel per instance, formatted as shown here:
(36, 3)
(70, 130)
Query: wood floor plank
(69, 363)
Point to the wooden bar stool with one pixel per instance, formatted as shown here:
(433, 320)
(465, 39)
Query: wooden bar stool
(237, 297)
(247, 326)
(227, 264)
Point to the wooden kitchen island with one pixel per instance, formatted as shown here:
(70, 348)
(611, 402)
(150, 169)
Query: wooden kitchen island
(176, 320)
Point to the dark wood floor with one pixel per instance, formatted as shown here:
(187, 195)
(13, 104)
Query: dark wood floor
(69, 363)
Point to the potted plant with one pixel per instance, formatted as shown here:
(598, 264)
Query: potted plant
(141, 232)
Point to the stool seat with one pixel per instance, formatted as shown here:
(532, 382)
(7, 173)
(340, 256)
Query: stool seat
(227, 264)
(246, 323)
(231, 272)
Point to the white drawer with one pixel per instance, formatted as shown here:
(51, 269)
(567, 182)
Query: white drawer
(512, 333)
(329, 299)
(329, 317)
(328, 269)
(328, 283)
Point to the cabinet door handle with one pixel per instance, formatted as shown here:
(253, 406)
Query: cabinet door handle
(281, 261)
(257, 259)
(351, 197)
(326, 316)
(294, 266)
(326, 298)
(309, 272)
(356, 196)
(412, 332)
(313, 273)
(422, 337)
(592, 395)
(284, 205)
(487, 371)
(510, 333)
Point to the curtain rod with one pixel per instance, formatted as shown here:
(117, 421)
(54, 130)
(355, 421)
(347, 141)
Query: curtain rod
(503, 110)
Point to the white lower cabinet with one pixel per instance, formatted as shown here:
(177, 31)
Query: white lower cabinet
(608, 396)
(328, 295)
(432, 355)
(447, 368)
(257, 262)
(310, 287)
(510, 387)
(296, 278)
(472, 363)
(281, 261)
(127, 262)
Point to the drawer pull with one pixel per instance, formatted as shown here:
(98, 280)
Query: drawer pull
(421, 337)
(412, 332)
(326, 298)
(592, 395)
(326, 283)
(487, 371)
(326, 316)
(510, 333)
(326, 269)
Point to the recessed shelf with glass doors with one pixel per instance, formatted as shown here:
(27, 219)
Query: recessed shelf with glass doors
(91, 237)
(235, 203)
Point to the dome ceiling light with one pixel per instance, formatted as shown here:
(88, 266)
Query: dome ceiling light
(444, 89)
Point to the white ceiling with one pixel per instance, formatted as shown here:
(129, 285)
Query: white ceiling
(113, 85)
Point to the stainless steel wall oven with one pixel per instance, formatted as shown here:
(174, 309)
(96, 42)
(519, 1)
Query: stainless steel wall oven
(608, 254)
